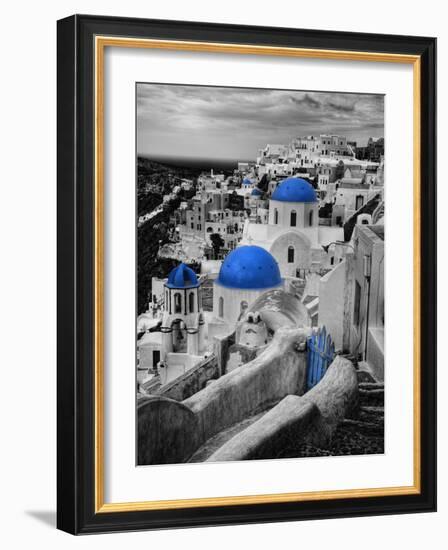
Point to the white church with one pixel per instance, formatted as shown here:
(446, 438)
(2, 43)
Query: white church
(177, 342)
(246, 273)
(293, 235)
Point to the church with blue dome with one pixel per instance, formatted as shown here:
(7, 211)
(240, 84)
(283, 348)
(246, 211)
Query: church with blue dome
(246, 273)
(249, 267)
(182, 276)
(181, 344)
(292, 234)
(294, 190)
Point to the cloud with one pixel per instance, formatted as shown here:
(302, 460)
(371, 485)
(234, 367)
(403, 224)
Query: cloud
(235, 122)
(308, 101)
(345, 108)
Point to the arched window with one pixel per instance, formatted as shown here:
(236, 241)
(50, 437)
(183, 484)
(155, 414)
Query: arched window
(275, 216)
(177, 303)
(311, 218)
(191, 302)
(293, 218)
(221, 306)
(290, 254)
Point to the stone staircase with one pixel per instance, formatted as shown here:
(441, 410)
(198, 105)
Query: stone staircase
(362, 433)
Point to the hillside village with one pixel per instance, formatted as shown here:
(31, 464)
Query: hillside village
(229, 261)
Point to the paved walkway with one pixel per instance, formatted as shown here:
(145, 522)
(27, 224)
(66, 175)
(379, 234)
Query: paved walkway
(217, 441)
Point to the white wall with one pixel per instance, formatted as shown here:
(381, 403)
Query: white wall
(27, 289)
(331, 303)
(232, 300)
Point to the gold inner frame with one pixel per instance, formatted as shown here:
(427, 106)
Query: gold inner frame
(101, 42)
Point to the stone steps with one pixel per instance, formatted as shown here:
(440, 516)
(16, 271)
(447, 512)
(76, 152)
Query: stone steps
(365, 428)
(371, 414)
(371, 386)
(362, 434)
(371, 395)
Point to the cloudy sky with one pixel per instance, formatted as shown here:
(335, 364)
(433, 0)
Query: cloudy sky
(198, 122)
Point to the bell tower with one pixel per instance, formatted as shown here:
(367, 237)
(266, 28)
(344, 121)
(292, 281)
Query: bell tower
(182, 320)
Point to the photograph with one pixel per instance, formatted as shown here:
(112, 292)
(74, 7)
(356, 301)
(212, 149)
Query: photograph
(260, 223)
(227, 352)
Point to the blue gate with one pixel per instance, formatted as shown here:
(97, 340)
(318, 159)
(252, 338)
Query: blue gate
(320, 356)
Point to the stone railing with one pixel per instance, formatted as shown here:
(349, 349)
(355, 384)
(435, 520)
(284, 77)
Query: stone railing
(192, 381)
(312, 417)
(256, 386)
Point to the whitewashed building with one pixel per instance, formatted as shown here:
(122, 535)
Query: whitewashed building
(293, 235)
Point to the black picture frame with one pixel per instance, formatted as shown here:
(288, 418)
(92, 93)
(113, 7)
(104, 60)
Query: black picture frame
(76, 262)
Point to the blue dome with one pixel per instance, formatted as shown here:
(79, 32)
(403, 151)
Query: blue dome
(182, 276)
(294, 190)
(249, 267)
(256, 192)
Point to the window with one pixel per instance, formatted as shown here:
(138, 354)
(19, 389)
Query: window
(290, 254)
(276, 216)
(191, 302)
(293, 218)
(310, 218)
(357, 304)
(177, 303)
(221, 306)
(155, 358)
(359, 201)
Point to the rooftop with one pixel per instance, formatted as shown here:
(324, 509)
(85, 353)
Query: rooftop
(378, 230)
(353, 184)
(249, 267)
(182, 276)
(294, 190)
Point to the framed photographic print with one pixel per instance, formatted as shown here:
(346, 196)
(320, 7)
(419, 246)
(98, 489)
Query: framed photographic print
(246, 274)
